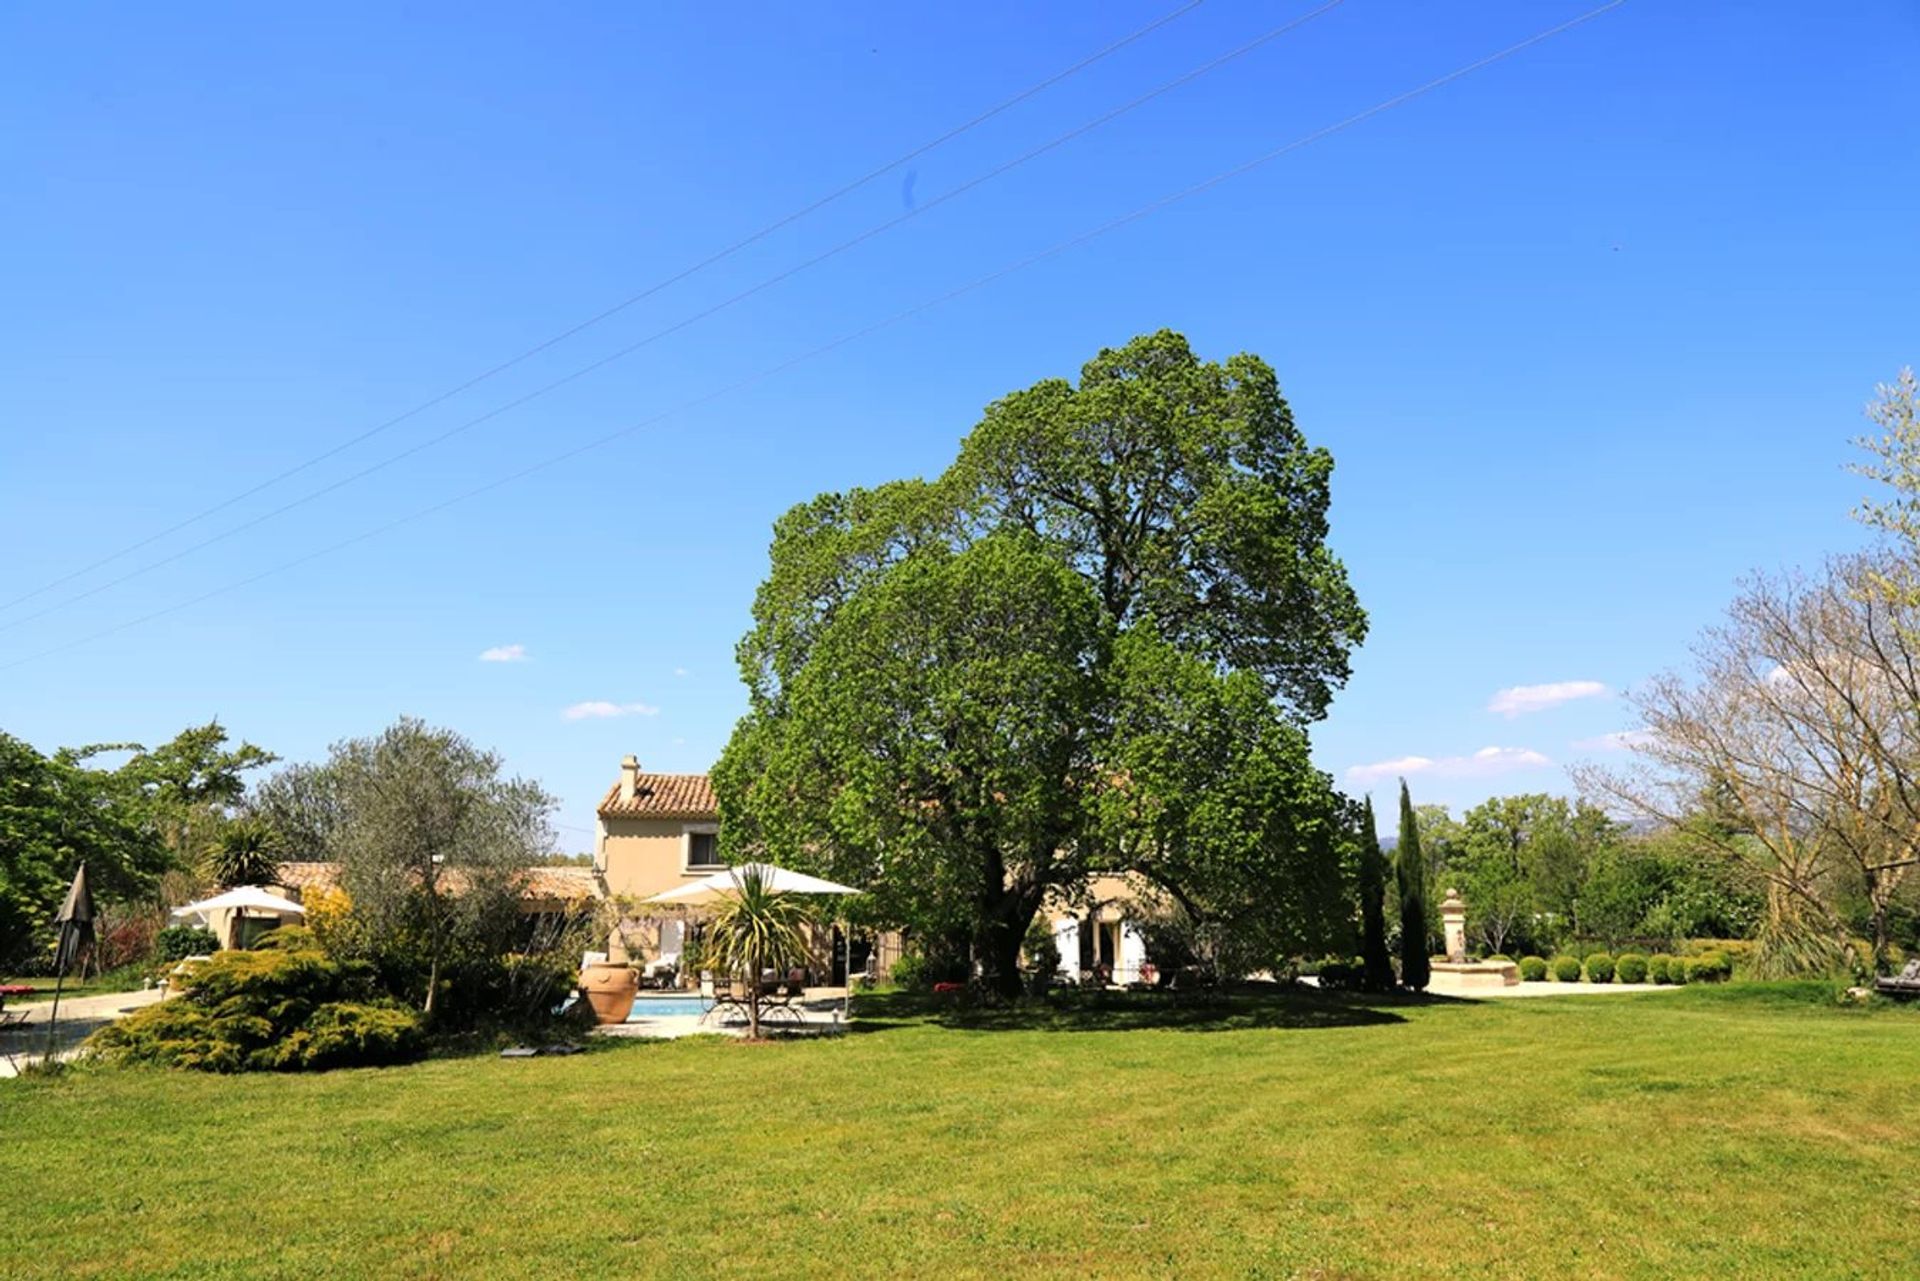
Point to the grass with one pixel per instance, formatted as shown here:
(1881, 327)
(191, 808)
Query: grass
(127, 978)
(1751, 1132)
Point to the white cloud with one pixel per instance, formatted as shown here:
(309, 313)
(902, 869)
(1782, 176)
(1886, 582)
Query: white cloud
(1487, 761)
(1518, 700)
(1621, 740)
(680, 671)
(599, 709)
(504, 654)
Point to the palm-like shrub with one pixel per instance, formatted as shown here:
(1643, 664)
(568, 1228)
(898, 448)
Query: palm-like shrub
(755, 928)
(247, 852)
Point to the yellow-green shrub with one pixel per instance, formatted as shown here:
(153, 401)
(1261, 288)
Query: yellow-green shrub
(285, 1006)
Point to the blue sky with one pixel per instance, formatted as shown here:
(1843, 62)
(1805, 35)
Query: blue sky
(1587, 331)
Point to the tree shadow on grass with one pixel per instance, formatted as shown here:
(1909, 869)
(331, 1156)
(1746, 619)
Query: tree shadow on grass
(1246, 1007)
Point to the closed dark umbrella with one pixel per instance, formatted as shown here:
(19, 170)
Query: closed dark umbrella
(75, 921)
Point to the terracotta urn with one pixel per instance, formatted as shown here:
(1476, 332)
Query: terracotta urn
(609, 988)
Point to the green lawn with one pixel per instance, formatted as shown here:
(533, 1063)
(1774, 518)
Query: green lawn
(1699, 1133)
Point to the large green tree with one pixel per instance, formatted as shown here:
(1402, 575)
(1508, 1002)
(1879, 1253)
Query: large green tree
(962, 689)
(55, 813)
(191, 785)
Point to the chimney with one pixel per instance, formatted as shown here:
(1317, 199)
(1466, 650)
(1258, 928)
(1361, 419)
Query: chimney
(629, 777)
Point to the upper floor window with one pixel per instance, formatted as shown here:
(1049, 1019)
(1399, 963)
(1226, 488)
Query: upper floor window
(702, 848)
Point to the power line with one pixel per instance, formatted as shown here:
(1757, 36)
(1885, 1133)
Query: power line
(1074, 242)
(732, 300)
(710, 260)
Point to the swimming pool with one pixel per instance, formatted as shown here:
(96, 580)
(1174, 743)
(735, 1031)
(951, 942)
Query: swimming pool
(667, 1007)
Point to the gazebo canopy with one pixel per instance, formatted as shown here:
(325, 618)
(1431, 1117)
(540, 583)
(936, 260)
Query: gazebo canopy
(244, 898)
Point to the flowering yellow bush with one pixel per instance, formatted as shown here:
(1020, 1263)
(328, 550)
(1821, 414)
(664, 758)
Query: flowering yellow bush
(329, 915)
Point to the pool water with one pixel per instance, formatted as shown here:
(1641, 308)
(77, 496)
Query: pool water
(666, 1007)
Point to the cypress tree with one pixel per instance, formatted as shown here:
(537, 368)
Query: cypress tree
(1410, 871)
(1378, 961)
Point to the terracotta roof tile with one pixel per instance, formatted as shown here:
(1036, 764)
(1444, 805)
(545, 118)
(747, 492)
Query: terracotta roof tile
(664, 796)
(561, 883)
(299, 875)
(540, 882)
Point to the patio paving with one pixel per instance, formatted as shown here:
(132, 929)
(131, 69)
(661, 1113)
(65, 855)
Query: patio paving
(819, 1016)
(80, 1017)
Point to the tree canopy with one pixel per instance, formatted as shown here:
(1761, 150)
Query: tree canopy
(1091, 645)
(431, 836)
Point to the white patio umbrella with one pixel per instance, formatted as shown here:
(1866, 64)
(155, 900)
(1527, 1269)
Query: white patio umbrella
(240, 900)
(781, 880)
(726, 883)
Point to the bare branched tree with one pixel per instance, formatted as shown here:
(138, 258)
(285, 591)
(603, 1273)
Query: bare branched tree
(1801, 725)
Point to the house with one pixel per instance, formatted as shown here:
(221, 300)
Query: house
(656, 831)
(653, 832)
(544, 891)
(1101, 930)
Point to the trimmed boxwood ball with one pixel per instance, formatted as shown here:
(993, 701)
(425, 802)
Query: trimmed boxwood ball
(1566, 969)
(1677, 969)
(1709, 967)
(1630, 967)
(1599, 968)
(1533, 969)
(1657, 967)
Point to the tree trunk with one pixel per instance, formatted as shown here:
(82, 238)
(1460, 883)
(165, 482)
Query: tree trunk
(999, 949)
(1878, 898)
(753, 996)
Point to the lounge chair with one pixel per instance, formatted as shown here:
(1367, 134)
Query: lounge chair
(1904, 984)
(662, 971)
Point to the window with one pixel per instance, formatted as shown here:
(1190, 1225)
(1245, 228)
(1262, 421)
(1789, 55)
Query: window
(701, 851)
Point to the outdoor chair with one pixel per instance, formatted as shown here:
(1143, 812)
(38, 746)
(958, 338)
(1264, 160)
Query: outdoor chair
(1904, 984)
(10, 1018)
(724, 997)
(785, 996)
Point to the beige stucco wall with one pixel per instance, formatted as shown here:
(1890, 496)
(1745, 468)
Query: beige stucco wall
(639, 857)
(642, 856)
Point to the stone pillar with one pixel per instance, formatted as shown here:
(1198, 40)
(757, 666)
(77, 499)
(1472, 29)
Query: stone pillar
(1453, 918)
